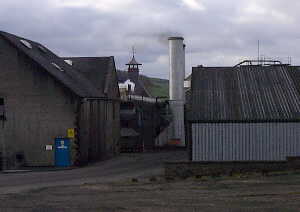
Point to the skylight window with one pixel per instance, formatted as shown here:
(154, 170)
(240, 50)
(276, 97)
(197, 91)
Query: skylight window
(57, 67)
(42, 49)
(70, 62)
(26, 43)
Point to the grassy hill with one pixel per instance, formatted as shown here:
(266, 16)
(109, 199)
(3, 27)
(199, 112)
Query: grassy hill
(157, 87)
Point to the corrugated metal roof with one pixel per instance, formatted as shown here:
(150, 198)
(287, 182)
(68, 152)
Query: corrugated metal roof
(69, 77)
(245, 93)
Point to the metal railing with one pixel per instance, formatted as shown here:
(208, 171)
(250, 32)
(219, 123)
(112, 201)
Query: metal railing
(147, 99)
(259, 62)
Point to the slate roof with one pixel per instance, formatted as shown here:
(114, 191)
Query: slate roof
(245, 93)
(189, 77)
(95, 69)
(70, 78)
(139, 90)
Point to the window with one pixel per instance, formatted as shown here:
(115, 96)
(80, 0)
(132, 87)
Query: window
(69, 62)
(2, 109)
(129, 88)
(26, 43)
(42, 49)
(57, 67)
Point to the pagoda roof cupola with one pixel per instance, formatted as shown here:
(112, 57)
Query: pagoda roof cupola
(133, 65)
(133, 62)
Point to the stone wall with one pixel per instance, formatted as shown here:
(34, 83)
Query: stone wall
(38, 109)
(184, 169)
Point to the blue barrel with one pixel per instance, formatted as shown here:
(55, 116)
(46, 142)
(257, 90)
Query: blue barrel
(62, 152)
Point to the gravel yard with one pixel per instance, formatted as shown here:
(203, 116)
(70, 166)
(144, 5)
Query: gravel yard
(135, 182)
(246, 193)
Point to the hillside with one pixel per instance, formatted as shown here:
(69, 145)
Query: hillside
(157, 87)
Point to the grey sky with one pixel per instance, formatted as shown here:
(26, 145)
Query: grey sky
(217, 32)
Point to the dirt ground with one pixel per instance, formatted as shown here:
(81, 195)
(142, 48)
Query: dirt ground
(279, 192)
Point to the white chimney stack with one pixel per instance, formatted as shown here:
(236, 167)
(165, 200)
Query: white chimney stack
(176, 87)
(176, 56)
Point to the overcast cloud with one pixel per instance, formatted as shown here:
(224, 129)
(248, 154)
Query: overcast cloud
(216, 32)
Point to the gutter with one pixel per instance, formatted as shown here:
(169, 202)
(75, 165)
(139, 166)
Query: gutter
(244, 121)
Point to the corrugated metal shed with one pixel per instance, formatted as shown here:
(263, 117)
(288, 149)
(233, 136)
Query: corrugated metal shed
(246, 113)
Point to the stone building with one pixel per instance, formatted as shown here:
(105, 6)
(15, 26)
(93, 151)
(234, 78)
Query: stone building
(43, 97)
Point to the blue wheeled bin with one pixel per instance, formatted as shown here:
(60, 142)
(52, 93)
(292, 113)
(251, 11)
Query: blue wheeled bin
(62, 152)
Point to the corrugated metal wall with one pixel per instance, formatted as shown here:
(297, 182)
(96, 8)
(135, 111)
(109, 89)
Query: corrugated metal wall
(245, 141)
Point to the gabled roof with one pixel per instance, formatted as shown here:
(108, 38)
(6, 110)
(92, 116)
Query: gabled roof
(245, 93)
(139, 89)
(95, 69)
(53, 64)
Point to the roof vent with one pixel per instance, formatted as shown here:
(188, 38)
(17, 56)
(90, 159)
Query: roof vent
(58, 67)
(70, 62)
(42, 49)
(26, 43)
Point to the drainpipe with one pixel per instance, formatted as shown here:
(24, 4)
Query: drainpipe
(3, 145)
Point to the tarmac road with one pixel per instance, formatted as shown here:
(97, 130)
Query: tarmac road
(125, 166)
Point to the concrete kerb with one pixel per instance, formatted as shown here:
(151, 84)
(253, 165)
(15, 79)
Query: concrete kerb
(37, 169)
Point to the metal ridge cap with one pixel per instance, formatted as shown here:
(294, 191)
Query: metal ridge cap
(175, 38)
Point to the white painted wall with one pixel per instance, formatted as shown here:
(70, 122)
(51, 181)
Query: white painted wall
(126, 84)
(187, 84)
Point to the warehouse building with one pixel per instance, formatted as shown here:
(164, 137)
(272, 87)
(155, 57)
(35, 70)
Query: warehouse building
(244, 113)
(45, 99)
